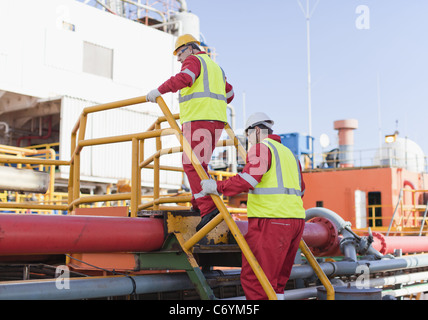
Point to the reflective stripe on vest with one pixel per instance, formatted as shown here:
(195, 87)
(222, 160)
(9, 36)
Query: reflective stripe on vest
(247, 177)
(199, 102)
(278, 195)
(280, 189)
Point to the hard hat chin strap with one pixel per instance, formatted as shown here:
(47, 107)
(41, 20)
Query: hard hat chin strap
(258, 134)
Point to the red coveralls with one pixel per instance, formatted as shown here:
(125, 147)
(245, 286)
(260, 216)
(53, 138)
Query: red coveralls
(211, 130)
(274, 242)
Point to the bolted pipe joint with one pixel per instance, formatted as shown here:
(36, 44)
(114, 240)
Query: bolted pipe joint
(330, 237)
(350, 244)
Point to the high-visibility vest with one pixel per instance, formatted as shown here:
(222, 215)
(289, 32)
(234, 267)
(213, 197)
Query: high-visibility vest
(278, 194)
(206, 98)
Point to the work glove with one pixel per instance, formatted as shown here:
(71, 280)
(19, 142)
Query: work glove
(152, 95)
(209, 186)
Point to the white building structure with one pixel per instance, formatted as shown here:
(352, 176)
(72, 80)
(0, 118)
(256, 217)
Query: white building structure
(60, 56)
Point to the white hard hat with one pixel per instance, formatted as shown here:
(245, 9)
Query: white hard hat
(258, 118)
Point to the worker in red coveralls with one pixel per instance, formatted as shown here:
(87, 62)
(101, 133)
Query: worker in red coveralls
(203, 98)
(276, 217)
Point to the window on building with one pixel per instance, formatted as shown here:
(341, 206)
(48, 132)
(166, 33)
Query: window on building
(375, 209)
(97, 60)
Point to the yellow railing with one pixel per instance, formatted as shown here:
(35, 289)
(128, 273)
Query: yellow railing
(365, 158)
(32, 159)
(412, 217)
(374, 221)
(408, 216)
(79, 142)
(411, 213)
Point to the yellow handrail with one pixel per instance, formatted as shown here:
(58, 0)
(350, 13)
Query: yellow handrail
(410, 214)
(224, 213)
(317, 269)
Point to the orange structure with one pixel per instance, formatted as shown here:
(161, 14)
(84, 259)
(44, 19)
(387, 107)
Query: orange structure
(369, 196)
(389, 195)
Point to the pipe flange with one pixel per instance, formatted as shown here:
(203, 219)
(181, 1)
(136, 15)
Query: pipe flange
(332, 242)
(380, 238)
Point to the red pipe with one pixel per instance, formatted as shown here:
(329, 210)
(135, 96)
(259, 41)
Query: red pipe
(43, 234)
(320, 234)
(408, 244)
(29, 138)
(48, 234)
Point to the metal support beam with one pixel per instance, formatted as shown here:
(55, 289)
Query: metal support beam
(173, 256)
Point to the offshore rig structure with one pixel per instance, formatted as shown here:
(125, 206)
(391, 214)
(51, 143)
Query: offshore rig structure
(149, 249)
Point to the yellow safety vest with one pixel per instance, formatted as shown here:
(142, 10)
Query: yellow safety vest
(206, 98)
(278, 195)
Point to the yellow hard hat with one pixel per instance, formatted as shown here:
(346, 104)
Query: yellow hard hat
(183, 40)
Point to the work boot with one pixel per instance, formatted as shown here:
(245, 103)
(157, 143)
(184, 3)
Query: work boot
(207, 218)
(194, 210)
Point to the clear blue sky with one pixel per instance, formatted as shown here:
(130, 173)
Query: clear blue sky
(261, 45)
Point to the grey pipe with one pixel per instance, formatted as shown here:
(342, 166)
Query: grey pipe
(89, 288)
(328, 214)
(311, 292)
(306, 293)
(395, 211)
(100, 287)
(350, 267)
(6, 128)
(15, 179)
(417, 288)
(398, 279)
